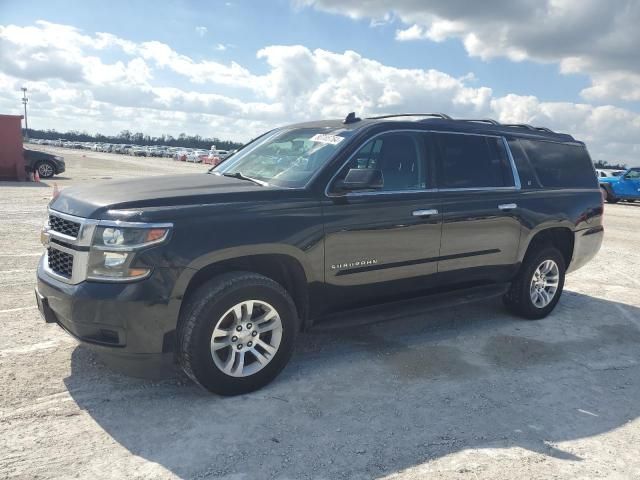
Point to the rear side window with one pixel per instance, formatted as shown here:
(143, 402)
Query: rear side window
(560, 165)
(525, 171)
(473, 161)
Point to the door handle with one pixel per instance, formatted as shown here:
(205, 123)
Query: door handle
(424, 213)
(507, 206)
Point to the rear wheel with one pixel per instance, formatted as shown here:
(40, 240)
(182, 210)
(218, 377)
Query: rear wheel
(45, 169)
(237, 333)
(537, 288)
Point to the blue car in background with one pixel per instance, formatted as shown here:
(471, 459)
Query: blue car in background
(623, 187)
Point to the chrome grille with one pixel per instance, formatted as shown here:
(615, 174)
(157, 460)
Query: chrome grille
(63, 226)
(61, 263)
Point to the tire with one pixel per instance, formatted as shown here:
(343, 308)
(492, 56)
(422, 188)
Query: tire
(518, 299)
(609, 196)
(46, 169)
(211, 306)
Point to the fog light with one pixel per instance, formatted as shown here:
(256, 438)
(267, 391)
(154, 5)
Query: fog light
(114, 260)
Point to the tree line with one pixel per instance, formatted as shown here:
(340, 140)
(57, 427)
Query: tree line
(611, 166)
(138, 138)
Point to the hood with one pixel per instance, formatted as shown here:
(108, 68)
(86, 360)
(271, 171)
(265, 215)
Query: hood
(608, 179)
(152, 192)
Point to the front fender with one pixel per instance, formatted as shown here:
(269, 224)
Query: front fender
(221, 255)
(609, 187)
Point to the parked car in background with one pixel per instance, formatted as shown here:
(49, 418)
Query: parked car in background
(625, 186)
(219, 153)
(121, 148)
(608, 172)
(182, 154)
(138, 152)
(46, 164)
(171, 152)
(216, 157)
(158, 151)
(197, 156)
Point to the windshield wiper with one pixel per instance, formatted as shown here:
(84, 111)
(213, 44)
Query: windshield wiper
(240, 176)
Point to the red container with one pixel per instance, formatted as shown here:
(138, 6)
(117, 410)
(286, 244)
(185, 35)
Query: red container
(11, 150)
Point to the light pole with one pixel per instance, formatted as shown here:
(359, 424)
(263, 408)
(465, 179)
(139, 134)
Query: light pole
(24, 101)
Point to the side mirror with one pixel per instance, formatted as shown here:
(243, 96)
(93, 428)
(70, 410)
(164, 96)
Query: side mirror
(361, 179)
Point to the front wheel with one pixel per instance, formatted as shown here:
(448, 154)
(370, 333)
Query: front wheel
(609, 196)
(537, 288)
(46, 169)
(237, 333)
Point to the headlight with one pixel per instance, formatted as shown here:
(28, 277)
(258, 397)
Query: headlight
(114, 248)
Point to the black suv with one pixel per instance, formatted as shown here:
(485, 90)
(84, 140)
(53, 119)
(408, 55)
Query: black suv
(222, 269)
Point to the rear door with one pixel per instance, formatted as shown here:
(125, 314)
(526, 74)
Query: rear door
(479, 190)
(383, 244)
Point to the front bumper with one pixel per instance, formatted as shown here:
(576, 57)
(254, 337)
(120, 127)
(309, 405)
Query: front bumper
(122, 319)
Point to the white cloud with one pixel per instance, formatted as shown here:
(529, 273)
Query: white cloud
(414, 32)
(72, 86)
(612, 86)
(205, 71)
(221, 47)
(202, 31)
(592, 37)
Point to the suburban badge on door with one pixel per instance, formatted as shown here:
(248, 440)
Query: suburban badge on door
(359, 263)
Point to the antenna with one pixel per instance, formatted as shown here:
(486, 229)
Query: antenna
(351, 118)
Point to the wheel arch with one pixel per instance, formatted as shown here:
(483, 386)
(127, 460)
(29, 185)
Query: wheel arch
(563, 238)
(283, 268)
(608, 187)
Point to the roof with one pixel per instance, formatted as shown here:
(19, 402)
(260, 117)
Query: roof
(442, 122)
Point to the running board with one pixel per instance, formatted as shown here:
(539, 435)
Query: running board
(404, 308)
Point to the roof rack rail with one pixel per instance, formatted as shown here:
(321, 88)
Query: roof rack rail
(479, 120)
(520, 125)
(444, 116)
(437, 115)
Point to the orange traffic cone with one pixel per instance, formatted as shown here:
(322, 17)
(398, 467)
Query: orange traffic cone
(36, 177)
(56, 192)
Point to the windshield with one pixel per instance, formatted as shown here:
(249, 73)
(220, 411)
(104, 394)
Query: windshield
(287, 157)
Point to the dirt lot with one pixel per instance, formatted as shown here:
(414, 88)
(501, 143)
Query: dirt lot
(470, 392)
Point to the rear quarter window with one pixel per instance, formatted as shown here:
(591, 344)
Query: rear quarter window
(473, 161)
(559, 165)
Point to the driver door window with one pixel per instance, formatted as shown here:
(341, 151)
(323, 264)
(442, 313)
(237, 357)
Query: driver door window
(398, 155)
(633, 175)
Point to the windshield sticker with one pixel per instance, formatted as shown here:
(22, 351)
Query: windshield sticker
(322, 138)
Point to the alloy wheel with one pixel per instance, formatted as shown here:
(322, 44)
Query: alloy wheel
(45, 170)
(246, 338)
(544, 283)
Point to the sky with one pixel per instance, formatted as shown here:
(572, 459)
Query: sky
(233, 69)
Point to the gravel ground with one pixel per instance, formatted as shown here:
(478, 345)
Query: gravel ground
(469, 392)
